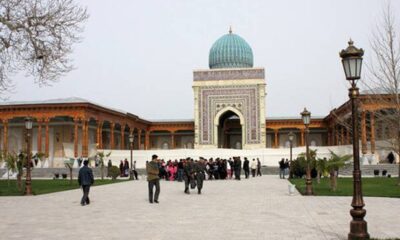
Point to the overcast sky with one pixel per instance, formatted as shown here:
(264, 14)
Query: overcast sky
(139, 56)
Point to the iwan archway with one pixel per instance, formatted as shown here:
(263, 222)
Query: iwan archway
(229, 124)
(229, 98)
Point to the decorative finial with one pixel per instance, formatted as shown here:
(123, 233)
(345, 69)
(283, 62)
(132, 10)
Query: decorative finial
(230, 29)
(350, 42)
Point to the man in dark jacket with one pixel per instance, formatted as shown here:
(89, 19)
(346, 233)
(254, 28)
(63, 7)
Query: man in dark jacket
(246, 168)
(237, 165)
(153, 178)
(187, 174)
(199, 169)
(85, 180)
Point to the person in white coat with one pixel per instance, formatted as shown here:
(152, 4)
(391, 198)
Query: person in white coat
(253, 167)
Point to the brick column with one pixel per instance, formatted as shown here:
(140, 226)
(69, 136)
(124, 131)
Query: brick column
(99, 135)
(85, 146)
(329, 137)
(46, 148)
(112, 125)
(372, 122)
(139, 138)
(147, 140)
(122, 137)
(5, 135)
(39, 135)
(363, 133)
(336, 136)
(276, 142)
(302, 137)
(347, 136)
(341, 135)
(76, 122)
(83, 138)
(172, 140)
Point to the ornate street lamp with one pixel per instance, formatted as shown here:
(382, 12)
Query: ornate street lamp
(291, 138)
(306, 117)
(28, 181)
(352, 62)
(131, 138)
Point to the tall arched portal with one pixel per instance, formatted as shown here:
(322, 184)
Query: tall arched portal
(229, 131)
(230, 83)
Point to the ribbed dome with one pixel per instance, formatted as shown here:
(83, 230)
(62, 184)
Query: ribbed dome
(230, 51)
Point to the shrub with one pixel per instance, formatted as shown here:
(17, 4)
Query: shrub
(114, 172)
(298, 167)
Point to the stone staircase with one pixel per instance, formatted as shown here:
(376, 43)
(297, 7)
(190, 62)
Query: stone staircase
(368, 170)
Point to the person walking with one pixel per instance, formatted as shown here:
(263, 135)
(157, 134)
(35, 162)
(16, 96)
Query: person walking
(282, 169)
(153, 178)
(237, 166)
(85, 180)
(180, 170)
(286, 169)
(121, 169)
(134, 170)
(199, 170)
(109, 165)
(187, 174)
(229, 170)
(246, 168)
(258, 167)
(253, 167)
(126, 168)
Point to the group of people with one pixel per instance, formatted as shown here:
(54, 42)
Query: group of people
(284, 167)
(214, 168)
(191, 172)
(123, 168)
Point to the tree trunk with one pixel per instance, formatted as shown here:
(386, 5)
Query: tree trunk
(8, 177)
(70, 175)
(319, 177)
(102, 171)
(333, 181)
(19, 181)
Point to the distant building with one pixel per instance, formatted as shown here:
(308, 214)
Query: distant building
(229, 112)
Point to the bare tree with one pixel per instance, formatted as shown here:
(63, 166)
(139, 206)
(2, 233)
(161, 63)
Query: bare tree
(383, 76)
(36, 36)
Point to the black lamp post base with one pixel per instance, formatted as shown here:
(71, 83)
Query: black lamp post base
(358, 230)
(358, 226)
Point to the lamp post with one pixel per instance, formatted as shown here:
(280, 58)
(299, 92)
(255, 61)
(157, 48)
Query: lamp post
(306, 117)
(291, 138)
(352, 62)
(131, 138)
(28, 181)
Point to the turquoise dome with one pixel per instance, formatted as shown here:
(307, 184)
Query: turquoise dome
(230, 51)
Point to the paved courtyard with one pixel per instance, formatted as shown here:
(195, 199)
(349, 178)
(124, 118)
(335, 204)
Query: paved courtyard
(258, 208)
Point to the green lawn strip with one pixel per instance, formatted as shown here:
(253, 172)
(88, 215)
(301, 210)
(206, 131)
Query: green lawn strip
(372, 187)
(40, 186)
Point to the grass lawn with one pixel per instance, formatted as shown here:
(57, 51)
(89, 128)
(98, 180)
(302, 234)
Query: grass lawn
(46, 186)
(372, 187)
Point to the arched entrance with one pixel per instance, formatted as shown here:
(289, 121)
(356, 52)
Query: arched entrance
(229, 124)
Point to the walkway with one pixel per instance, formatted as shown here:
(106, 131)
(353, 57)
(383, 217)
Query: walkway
(258, 208)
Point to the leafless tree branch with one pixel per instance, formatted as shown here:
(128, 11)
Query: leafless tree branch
(36, 36)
